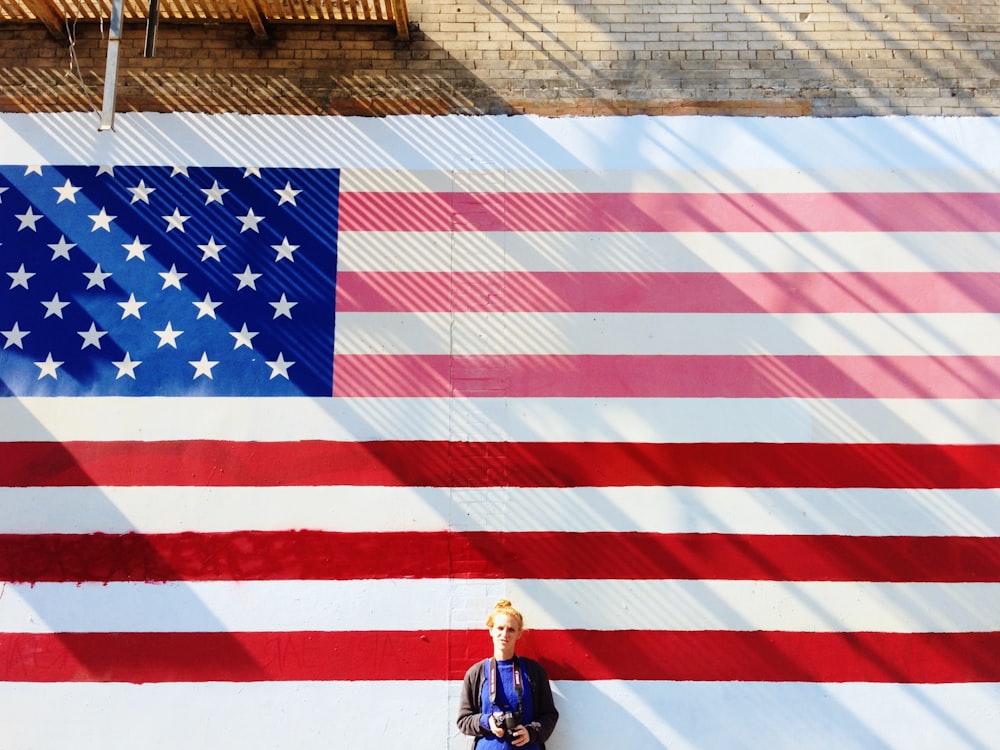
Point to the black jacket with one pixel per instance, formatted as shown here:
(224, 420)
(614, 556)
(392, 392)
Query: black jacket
(470, 705)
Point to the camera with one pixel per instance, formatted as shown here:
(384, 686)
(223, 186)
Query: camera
(508, 721)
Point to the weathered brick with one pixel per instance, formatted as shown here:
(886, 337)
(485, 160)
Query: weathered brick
(594, 57)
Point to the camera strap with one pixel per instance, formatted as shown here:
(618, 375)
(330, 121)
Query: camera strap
(494, 680)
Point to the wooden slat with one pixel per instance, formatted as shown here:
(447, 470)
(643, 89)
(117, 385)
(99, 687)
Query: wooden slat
(46, 12)
(402, 19)
(52, 13)
(255, 18)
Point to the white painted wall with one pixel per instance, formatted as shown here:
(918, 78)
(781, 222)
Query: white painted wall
(719, 153)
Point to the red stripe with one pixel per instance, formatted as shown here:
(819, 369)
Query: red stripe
(444, 655)
(666, 376)
(670, 212)
(315, 555)
(392, 463)
(638, 292)
(770, 656)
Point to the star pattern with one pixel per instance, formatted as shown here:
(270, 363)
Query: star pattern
(131, 307)
(211, 250)
(102, 220)
(175, 220)
(173, 277)
(136, 249)
(15, 337)
(28, 220)
(129, 280)
(214, 193)
(97, 277)
(67, 192)
(48, 368)
(287, 194)
(140, 192)
(20, 277)
(61, 248)
(126, 367)
(250, 222)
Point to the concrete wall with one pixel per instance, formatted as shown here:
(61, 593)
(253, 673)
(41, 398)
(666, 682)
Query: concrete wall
(566, 58)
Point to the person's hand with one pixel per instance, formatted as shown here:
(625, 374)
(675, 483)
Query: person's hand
(521, 736)
(494, 727)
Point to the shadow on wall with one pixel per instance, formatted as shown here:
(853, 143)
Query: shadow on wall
(269, 141)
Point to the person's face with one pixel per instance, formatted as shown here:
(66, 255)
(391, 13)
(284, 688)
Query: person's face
(505, 632)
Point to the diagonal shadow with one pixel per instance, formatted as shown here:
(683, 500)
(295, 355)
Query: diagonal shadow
(500, 461)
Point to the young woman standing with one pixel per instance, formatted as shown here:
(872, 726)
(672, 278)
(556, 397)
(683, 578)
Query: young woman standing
(506, 700)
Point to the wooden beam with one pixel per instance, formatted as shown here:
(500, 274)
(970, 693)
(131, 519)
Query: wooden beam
(252, 11)
(47, 12)
(402, 19)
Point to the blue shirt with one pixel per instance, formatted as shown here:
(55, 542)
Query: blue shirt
(506, 700)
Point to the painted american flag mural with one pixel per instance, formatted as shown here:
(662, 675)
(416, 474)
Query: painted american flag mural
(725, 428)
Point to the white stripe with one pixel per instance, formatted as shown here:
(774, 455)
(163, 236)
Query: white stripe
(440, 604)
(669, 180)
(420, 715)
(920, 145)
(777, 716)
(665, 510)
(662, 252)
(658, 333)
(957, 421)
(213, 715)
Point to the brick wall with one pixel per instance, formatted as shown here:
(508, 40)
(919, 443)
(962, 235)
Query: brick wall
(553, 58)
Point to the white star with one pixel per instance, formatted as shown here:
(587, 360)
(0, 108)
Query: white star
(250, 221)
(54, 306)
(179, 170)
(284, 250)
(141, 193)
(203, 366)
(28, 220)
(2, 191)
(67, 192)
(283, 307)
(131, 307)
(61, 248)
(214, 193)
(247, 278)
(136, 249)
(279, 367)
(126, 367)
(33, 169)
(107, 169)
(206, 307)
(255, 171)
(48, 367)
(243, 337)
(92, 337)
(96, 277)
(19, 277)
(172, 277)
(211, 250)
(168, 336)
(175, 220)
(14, 337)
(287, 194)
(102, 220)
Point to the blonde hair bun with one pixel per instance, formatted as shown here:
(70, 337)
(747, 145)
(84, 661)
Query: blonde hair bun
(505, 607)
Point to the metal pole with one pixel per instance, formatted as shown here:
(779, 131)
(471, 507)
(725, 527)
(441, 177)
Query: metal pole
(152, 24)
(111, 72)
